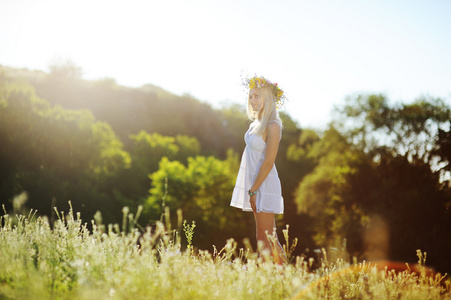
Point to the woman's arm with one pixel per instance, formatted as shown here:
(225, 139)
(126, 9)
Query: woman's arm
(272, 146)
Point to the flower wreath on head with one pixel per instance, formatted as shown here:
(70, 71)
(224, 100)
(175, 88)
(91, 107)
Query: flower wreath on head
(259, 82)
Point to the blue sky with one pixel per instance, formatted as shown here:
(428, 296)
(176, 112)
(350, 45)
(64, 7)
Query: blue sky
(318, 51)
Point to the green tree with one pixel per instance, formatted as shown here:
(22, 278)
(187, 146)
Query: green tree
(54, 153)
(146, 151)
(410, 201)
(402, 181)
(65, 70)
(202, 189)
(381, 170)
(318, 193)
(409, 130)
(443, 149)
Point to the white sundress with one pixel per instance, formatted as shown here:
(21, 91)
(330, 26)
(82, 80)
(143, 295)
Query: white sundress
(269, 195)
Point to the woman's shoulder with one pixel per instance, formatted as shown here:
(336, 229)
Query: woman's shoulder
(275, 128)
(275, 122)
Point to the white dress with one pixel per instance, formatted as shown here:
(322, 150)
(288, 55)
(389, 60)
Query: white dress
(269, 195)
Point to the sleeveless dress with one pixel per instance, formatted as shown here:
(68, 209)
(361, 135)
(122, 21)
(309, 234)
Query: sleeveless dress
(269, 195)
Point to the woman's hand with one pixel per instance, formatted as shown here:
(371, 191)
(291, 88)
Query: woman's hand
(253, 201)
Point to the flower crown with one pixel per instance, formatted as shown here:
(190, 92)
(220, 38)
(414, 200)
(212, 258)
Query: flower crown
(259, 82)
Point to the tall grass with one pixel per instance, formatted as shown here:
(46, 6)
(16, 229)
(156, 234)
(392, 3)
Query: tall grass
(68, 261)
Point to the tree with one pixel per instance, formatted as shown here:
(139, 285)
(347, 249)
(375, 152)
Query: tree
(65, 70)
(146, 151)
(406, 129)
(54, 153)
(443, 149)
(411, 203)
(202, 189)
(377, 178)
(318, 193)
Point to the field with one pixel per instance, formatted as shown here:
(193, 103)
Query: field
(71, 260)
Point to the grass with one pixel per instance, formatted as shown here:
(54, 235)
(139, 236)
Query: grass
(68, 261)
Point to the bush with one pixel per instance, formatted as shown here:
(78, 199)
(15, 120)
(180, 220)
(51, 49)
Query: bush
(66, 260)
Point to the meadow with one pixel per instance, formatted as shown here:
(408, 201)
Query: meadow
(70, 259)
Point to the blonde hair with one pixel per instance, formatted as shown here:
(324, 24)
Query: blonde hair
(268, 114)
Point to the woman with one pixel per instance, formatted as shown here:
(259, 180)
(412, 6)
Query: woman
(257, 186)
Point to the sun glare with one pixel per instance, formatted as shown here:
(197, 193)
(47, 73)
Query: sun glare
(316, 51)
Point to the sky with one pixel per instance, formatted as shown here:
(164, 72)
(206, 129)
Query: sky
(318, 51)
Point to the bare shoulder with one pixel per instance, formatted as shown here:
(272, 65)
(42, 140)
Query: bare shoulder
(274, 130)
(274, 125)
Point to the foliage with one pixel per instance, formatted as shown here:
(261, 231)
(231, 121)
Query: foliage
(379, 170)
(292, 168)
(318, 193)
(375, 185)
(65, 70)
(407, 129)
(54, 153)
(130, 110)
(150, 148)
(408, 201)
(189, 232)
(444, 149)
(71, 262)
(146, 151)
(150, 109)
(202, 190)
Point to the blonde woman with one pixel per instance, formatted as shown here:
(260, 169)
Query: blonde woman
(257, 187)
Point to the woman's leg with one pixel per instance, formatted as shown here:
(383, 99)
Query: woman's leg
(265, 222)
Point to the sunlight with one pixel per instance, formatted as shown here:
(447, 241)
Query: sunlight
(319, 52)
(140, 105)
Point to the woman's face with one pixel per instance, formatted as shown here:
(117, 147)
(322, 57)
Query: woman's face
(255, 99)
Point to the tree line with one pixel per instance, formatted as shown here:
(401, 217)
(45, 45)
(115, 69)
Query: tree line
(375, 182)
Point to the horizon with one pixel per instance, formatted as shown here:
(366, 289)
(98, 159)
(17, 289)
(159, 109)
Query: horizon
(319, 52)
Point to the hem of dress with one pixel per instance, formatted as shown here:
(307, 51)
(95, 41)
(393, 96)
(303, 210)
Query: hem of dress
(259, 210)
